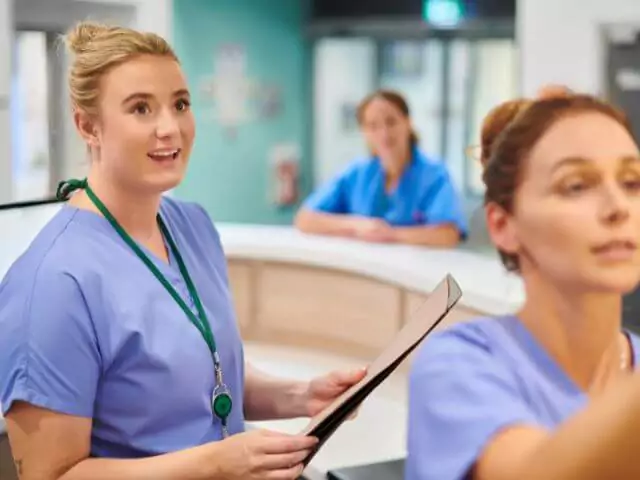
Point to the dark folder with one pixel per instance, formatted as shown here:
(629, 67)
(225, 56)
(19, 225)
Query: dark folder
(434, 309)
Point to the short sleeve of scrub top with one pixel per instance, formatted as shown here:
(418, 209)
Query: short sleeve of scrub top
(87, 330)
(460, 396)
(334, 195)
(49, 352)
(441, 203)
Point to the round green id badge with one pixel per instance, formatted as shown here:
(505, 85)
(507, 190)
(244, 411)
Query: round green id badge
(222, 402)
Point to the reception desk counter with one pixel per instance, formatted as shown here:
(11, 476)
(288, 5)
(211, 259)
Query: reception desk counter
(329, 293)
(347, 296)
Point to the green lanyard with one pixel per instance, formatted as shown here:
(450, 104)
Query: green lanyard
(222, 402)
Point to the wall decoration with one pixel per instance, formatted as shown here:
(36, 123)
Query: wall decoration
(268, 102)
(349, 117)
(238, 99)
(284, 160)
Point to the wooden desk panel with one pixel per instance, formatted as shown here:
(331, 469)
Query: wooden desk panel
(327, 304)
(321, 308)
(241, 277)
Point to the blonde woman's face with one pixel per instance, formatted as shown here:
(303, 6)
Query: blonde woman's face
(146, 128)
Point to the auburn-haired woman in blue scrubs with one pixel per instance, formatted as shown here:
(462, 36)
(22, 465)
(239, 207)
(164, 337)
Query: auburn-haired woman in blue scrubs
(394, 194)
(119, 353)
(551, 391)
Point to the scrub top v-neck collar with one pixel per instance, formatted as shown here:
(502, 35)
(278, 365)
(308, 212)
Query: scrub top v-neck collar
(387, 199)
(95, 220)
(404, 176)
(530, 344)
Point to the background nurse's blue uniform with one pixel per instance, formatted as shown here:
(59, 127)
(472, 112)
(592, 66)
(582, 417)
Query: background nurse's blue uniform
(88, 330)
(425, 194)
(475, 379)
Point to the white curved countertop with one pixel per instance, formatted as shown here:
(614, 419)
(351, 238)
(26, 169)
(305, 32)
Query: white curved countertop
(486, 285)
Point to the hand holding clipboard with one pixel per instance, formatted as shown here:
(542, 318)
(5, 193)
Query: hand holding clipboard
(435, 308)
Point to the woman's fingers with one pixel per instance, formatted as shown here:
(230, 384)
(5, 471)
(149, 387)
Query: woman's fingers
(278, 444)
(284, 461)
(292, 473)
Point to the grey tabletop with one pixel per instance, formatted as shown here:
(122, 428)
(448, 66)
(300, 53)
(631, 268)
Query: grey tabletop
(392, 470)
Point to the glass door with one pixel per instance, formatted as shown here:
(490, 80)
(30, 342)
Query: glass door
(449, 83)
(30, 117)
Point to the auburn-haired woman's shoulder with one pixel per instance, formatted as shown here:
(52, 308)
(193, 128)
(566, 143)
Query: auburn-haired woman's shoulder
(474, 337)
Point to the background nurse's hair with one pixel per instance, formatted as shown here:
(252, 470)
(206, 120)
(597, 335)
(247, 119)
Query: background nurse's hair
(97, 48)
(396, 100)
(554, 91)
(511, 130)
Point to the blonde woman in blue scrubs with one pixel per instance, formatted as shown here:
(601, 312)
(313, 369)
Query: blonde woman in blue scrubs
(119, 355)
(395, 194)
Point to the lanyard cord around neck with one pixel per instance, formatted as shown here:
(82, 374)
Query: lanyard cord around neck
(222, 402)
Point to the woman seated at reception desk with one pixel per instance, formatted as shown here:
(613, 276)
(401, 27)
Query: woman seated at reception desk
(396, 194)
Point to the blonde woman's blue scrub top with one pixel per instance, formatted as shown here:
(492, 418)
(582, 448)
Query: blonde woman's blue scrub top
(475, 379)
(87, 330)
(425, 194)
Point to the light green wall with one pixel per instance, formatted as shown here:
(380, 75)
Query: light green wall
(230, 178)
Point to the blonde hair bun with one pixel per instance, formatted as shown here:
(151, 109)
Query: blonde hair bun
(80, 37)
(97, 48)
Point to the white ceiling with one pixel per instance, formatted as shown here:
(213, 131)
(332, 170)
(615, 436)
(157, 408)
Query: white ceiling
(58, 15)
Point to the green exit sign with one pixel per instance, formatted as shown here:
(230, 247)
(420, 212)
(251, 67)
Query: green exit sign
(443, 13)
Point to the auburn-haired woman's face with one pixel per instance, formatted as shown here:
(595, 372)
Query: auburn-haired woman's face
(576, 216)
(387, 130)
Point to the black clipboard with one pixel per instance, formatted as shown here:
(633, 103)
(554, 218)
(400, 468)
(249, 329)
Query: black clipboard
(423, 321)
